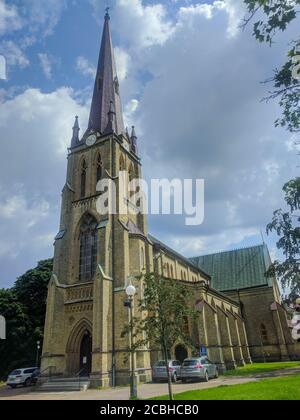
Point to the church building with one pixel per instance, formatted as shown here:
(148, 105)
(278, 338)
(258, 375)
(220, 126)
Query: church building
(240, 313)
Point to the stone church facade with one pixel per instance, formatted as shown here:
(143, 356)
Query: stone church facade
(95, 255)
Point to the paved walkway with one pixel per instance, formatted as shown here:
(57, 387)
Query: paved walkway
(145, 391)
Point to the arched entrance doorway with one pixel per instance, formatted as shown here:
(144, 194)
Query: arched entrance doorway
(85, 366)
(181, 353)
(79, 350)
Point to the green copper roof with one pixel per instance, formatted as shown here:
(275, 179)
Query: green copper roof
(239, 269)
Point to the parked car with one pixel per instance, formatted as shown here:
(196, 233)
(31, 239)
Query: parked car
(25, 377)
(159, 371)
(198, 369)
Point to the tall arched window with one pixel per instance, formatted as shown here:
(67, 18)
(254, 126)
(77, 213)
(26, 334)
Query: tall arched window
(122, 163)
(130, 173)
(83, 179)
(168, 270)
(172, 272)
(88, 249)
(99, 168)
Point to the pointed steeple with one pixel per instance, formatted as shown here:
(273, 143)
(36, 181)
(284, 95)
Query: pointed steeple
(133, 140)
(106, 89)
(76, 130)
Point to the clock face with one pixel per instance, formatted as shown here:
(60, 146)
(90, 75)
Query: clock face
(91, 140)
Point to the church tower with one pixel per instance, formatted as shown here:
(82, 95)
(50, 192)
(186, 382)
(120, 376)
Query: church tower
(96, 254)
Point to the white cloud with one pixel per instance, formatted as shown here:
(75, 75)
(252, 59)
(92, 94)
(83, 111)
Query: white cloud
(17, 219)
(200, 115)
(129, 112)
(42, 16)
(9, 18)
(85, 67)
(33, 172)
(36, 18)
(46, 65)
(13, 55)
(122, 63)
(142, 26)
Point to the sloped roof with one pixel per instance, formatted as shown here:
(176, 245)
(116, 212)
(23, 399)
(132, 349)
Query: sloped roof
(160, 245)
(238, 269)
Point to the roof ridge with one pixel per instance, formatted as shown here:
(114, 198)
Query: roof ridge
(229, 251)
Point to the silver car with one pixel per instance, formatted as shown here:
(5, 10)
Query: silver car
(25, 377)
(159, 371)
(199, 369)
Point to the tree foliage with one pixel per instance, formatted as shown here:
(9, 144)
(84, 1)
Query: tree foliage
(24, 308)
(167, 307)
(286, 224)
(275, 16)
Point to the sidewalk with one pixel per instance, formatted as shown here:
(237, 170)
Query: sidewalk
(145, 391)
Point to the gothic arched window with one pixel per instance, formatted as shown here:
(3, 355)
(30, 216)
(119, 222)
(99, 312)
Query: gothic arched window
(168, 270)
(88, 249)
(131, 173)
(99, 168)
(122, 163)
(83, 179)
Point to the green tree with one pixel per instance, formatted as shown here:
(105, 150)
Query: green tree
(168, 308)
(24, 308)
(14, 351)
(31, 291)
(287, 226)
(275, 16)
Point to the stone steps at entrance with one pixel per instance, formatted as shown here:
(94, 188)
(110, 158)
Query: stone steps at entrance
(64, 385)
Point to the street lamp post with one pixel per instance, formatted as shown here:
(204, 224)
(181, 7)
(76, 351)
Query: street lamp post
(38, 346)
(131, 291)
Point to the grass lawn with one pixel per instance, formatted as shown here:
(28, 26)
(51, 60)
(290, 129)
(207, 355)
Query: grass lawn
(287, 388)
(258, 368)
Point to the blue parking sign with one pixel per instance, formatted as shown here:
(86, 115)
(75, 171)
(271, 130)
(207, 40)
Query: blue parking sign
(203, 351)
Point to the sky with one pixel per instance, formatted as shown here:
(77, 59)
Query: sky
(191, 83)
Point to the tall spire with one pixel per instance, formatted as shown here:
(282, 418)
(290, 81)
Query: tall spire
(76, 130)
(106, 89)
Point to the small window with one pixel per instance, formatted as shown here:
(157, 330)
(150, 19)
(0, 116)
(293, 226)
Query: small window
(99, 168)
(16, 372)
(99, 83)
(29, 371)
(143, 265)
(83, 179)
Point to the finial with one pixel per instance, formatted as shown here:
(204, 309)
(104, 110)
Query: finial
(107, 13)
(76, 130)
(133, 140)
(76, 125)
(133, 134)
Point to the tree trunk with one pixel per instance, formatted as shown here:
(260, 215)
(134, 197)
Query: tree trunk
(166, 357)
